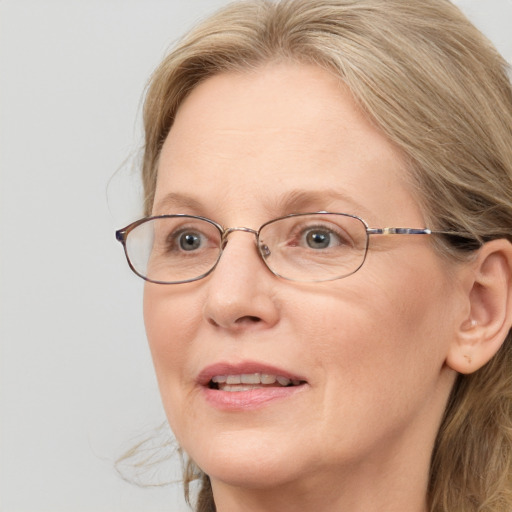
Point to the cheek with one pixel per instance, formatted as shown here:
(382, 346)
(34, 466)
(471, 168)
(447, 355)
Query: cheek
(380, 347)
(171, 320)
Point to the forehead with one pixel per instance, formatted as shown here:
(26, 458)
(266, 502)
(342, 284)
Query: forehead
(244, 140)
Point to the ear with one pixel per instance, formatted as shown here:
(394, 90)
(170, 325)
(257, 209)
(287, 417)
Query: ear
(484, 329)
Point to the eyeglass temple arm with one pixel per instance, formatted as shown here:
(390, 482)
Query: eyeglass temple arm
(399, 231)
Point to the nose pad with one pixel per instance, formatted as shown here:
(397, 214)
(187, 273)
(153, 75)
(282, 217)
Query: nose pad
(264, 250)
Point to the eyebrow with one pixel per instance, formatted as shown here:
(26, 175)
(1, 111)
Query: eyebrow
(173, 200)
(297, 201)
(294, 201)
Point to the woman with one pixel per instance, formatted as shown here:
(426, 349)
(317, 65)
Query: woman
(309, 355)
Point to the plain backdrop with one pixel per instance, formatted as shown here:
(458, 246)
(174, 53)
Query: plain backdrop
(77, 387)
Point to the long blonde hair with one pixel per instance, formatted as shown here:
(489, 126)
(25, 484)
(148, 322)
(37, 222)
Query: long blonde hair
(440, 91)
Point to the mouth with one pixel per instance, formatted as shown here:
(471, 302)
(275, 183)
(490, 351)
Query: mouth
(251, 381)
(248, 385)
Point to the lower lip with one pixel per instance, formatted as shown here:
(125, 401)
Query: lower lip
(252, 399)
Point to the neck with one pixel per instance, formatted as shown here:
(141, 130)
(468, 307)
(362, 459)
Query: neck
(372, 487)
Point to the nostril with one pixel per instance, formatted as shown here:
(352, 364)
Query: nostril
(248, 319)
(243, 320)
(211, 321)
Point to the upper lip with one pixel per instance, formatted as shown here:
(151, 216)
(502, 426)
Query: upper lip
(225, 368)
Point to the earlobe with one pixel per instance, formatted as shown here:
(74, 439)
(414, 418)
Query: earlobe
(483, 331)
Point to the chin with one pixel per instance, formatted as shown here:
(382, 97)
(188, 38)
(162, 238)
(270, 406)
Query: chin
(252, 475)
(253, 464)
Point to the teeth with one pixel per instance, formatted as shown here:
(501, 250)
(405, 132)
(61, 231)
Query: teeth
(250, 378)
(229, 381)
(267, 379)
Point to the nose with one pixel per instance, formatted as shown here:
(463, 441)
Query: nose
(241, 289)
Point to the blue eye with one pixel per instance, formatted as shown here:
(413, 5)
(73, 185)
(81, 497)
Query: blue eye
(190, 241)
(318, 239)
(322, 237)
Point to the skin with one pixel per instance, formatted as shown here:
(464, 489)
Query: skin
(372, 346)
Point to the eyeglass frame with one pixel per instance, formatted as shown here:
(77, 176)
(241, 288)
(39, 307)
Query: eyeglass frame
(122, 235)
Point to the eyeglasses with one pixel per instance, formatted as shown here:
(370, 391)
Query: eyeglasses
(322, 246)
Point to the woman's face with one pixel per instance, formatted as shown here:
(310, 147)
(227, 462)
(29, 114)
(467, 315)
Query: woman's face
(369, 349)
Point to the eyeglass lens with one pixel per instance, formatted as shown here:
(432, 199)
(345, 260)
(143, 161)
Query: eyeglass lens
(309, 247)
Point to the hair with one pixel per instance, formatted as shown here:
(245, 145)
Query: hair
(439, 91)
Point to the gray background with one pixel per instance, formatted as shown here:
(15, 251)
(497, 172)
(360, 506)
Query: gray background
(77, 387)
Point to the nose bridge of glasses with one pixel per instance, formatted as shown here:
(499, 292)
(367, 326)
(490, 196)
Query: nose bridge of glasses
(228, 231)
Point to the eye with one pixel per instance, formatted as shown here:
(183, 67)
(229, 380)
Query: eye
(186, 239)
(190, 241)
(318, 238)
(183, 237)
(321, 237)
